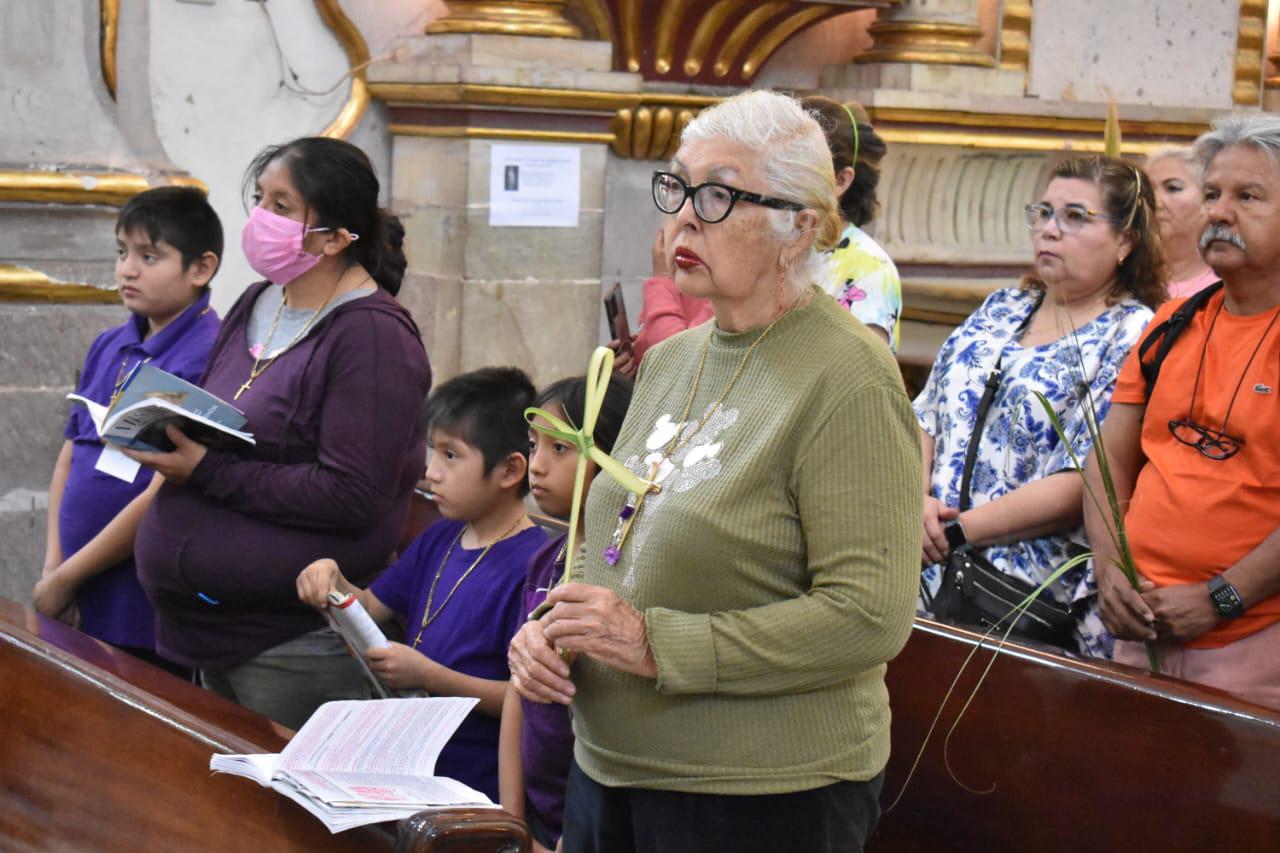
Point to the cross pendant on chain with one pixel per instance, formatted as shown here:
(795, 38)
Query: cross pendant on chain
(243, 388)
(652, 488)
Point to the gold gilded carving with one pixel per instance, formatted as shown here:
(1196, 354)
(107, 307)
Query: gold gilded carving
(927, 42)
(514, 18)
(82, 187)
(110, 13)
(1015, 35)
(705, 31)
(744, 30)
(22, 284)
(767, 45)
(639, 125)
(357, 51)
(668, 25)
(592, 17)
(631, 33)
(1251, 41)
(507, 133)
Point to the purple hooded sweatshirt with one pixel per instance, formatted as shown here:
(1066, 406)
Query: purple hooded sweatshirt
(339, 449)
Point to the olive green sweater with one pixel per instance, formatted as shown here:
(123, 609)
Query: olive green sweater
(777, 568)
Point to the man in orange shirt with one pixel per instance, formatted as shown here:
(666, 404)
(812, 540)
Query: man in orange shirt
(1196, 456)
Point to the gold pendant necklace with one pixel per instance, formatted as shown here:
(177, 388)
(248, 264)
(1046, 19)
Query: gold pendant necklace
(256, 370)
(427, 616)
(635, 500)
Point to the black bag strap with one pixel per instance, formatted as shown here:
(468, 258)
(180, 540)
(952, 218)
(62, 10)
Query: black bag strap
(984, 406)
(1167, 333)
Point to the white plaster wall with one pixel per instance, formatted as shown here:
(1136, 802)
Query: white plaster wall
(217, 100)
(1157, 52)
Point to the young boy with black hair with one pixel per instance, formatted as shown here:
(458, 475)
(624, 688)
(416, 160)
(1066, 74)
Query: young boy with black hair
(168, 245)
(459, 584)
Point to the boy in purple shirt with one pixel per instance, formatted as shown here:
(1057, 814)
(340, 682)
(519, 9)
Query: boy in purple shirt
(168, 243)
(459, 583)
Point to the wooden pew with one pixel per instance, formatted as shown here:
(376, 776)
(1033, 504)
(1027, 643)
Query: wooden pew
(101, 751)
(1081, 755)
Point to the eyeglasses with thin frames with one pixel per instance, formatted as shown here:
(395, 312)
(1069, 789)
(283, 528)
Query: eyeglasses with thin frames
(1070, 217)
(712, 201)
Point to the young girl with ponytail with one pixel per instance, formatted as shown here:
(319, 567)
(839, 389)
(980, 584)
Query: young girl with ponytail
(330, 371)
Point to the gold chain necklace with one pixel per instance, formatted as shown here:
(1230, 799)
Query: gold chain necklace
(635, 501)
(427, 616)
(257, 370)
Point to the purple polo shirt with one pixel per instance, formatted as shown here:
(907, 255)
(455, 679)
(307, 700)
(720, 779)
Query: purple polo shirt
(113, 606)
(546, 741)
(471, 633)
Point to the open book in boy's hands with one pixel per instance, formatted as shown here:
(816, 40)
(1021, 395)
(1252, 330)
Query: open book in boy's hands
(150, 400)
(355, 763)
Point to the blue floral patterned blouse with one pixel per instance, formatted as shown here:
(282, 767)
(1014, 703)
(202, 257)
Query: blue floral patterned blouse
(1019, 444)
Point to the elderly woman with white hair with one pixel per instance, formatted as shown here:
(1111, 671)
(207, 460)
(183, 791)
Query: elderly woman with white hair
(730, 634)
(1182, 217)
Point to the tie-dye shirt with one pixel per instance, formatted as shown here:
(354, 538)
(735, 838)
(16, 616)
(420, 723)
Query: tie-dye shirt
(863, 279)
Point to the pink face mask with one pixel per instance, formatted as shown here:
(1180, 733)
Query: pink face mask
(273, 246)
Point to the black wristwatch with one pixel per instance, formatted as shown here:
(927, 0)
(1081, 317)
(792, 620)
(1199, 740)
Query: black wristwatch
(954, 531)
(1226, 598)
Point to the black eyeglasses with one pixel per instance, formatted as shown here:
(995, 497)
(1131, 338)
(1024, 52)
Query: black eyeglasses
(1212, 443)
(712, 202)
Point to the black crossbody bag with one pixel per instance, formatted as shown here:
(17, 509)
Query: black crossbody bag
(974, 593)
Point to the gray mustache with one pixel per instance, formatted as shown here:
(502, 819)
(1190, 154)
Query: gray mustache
(1214, 233)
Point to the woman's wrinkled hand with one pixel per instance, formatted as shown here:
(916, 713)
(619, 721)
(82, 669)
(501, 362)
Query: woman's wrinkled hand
(596, 622)
(538, 672)
(177, 465)
(936, 515)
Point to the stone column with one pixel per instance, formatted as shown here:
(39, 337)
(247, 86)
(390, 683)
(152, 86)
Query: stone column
(485, 295)
(927, 46)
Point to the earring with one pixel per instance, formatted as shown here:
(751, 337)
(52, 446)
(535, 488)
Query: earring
(782, 281)
(1120, 261)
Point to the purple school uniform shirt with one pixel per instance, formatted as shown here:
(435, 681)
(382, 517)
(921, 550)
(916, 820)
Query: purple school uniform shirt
(339, 449)
(471, 633)
(112, 605)
(546, 740)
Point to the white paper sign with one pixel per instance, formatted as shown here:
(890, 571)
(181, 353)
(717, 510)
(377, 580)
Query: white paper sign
(112, 461)
(534, 186)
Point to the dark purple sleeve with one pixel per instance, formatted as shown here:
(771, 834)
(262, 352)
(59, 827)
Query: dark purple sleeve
(376, 380)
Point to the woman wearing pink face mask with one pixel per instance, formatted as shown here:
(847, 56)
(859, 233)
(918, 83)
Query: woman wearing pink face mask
(330, 371)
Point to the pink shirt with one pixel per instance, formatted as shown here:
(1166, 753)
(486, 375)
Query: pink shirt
(1191, 286)
(666, 312)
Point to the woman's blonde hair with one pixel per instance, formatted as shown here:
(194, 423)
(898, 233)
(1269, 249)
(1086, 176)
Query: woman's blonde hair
(794, 160)
(1185, 153)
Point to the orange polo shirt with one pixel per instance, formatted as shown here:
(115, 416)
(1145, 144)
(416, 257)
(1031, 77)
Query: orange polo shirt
(1192, 517)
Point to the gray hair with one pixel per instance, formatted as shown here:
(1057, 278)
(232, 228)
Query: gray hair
(794, 159)
(1185, 153)
(1261, 131)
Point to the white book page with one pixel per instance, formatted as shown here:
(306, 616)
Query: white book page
(380, 736)
(113, 463)
(97, 411)
(259, 768)
(373, 790)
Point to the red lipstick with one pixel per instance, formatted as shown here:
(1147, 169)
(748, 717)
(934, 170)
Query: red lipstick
(687, 259)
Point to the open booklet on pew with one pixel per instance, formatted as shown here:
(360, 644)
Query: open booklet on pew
(355, 763)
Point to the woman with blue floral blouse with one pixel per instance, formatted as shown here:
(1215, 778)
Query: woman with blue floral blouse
(1064, 333)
